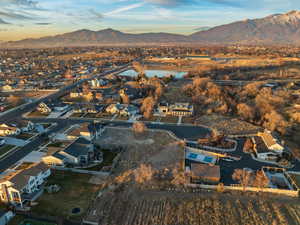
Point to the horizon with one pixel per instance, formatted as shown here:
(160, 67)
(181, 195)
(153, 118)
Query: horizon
(22, 19)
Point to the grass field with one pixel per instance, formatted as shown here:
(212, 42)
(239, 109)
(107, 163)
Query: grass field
(76, 192)
(24, 136)
(6, 148)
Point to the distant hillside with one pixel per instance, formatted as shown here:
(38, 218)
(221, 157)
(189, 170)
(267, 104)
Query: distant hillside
(107, 36)
(274, 29)
(277, 29)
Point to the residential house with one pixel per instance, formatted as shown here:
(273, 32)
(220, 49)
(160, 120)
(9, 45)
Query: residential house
(270, 141)
(89, 131)
(80, 152)
(122, 109)
(177, 109)
(7, 88)
(87, 108)
(205, 173)
(25, 126)
(131, 92)
(7, 130)
(23, 184)
(44, 108)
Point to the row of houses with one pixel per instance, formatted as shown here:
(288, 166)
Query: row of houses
(16, 128)
(23, 184)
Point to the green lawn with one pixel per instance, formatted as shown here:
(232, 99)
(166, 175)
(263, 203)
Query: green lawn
(76, 192)
(108, 157)
(24, 136)
(35, 222)
(17, 220)
(6, 148)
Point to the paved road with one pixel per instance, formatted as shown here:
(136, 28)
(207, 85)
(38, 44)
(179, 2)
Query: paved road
(15, 156)
(181, 131)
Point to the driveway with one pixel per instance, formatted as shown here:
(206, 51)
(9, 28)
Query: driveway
(15, 141)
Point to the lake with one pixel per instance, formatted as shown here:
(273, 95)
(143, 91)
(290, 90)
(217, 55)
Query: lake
(152, 73)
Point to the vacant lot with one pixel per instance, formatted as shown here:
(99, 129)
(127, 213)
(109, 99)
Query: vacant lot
(76, 192)
(227, 125)
(153, 147)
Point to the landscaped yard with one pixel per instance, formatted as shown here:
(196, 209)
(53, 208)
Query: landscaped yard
(77, 115)
(189, 120)
(76, 192)
(108, 157)
(169, 119)
(35, 222)
(152, 118)
(122, 118)
(37, 114)
(104, 115)
(6, 148)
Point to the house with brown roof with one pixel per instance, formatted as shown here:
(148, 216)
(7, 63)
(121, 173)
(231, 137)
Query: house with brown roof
(205, 173)
(23, 184)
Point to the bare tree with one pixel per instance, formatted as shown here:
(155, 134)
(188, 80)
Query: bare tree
(245, 111)
(143, 174)
(139, 128)
(260, 179)
(243, 177)
(14, 100)
(248, 146)
(179, 177)
(147, 107)
(139, 68)
(125, 99)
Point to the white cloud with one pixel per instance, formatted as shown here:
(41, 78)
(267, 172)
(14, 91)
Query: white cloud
(124, 9)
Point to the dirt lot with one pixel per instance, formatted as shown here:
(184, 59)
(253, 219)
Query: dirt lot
(227, 125)
(154, 147)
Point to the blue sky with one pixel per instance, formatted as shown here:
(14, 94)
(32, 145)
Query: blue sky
(36, 18)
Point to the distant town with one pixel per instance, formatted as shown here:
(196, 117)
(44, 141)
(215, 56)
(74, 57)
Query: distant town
(150, 135)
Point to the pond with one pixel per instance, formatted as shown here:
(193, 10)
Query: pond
(152, 73)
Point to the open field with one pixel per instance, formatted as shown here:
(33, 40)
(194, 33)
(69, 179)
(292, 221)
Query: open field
(175, 208)
(76, 192)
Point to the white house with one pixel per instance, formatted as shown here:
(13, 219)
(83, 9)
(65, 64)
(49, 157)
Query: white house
(23, 184)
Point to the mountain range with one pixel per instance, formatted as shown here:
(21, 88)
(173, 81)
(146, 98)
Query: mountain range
(273, 29)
